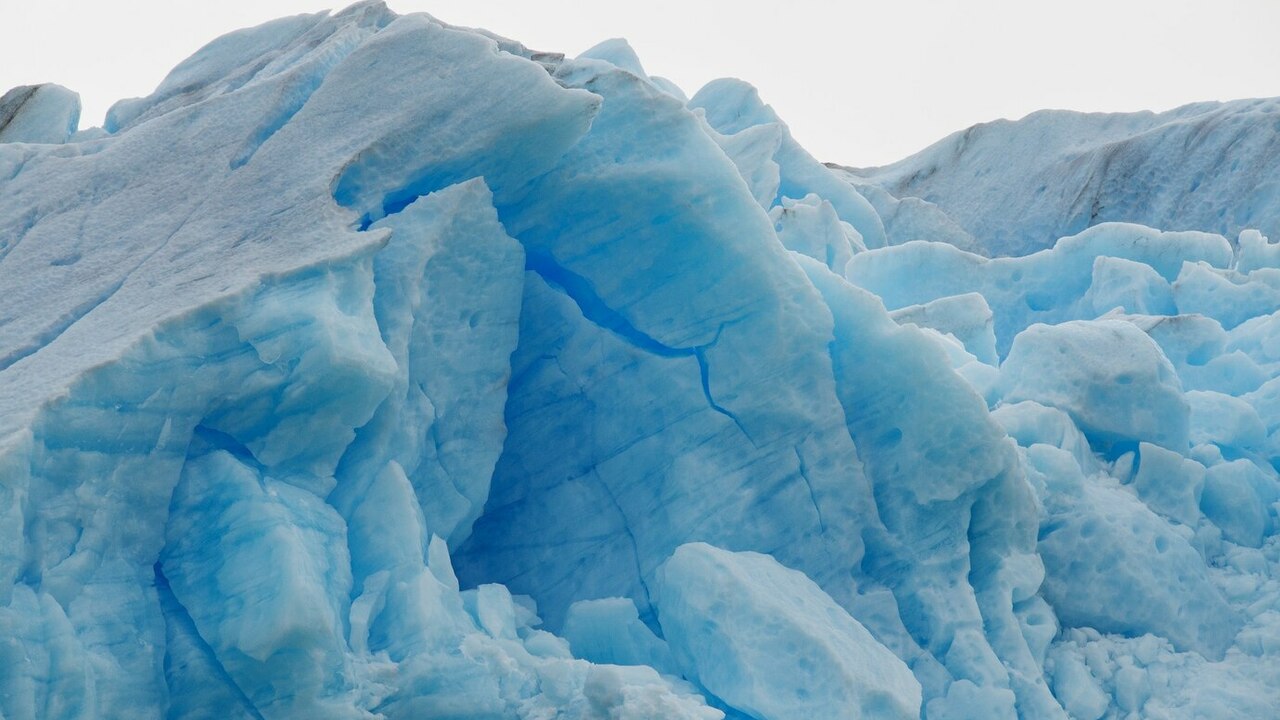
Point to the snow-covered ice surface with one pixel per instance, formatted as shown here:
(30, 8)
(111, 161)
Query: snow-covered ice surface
(375, 367)
(38, 114)
(1208, 166)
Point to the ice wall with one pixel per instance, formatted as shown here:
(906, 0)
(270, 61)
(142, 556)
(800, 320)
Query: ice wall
(375, 367)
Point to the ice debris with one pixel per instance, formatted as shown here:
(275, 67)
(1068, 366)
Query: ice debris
(376, 367)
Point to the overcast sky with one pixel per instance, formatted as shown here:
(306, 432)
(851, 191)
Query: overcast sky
(860, 83)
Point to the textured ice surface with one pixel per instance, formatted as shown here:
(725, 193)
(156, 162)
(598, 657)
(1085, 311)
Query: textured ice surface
(38, 114)
(374, 367)
(1108, 375)
(1207, 166)
(767, 641)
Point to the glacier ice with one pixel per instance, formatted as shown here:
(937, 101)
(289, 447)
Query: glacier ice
(741, 625)
(1207, 166)
(1108, 375)
(45, 113)
(377, 367)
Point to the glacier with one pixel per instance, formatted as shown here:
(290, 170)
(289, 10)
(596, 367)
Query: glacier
(1208, 166)
(375, 367)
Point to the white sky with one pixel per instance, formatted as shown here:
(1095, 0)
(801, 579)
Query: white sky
(860, 83)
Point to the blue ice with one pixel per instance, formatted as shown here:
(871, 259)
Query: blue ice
(374, 367)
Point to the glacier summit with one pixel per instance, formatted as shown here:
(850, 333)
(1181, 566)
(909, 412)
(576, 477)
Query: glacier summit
(374, 367)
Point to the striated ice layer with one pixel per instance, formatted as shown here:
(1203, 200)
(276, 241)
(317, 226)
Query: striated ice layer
(378, 368)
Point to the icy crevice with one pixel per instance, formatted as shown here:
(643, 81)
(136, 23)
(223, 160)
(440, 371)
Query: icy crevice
(631, 537)
(52, 333)
(519, 378)
(294, 95)
(301, 82)
(580, 290)
(395, 200)
(219, 440)
(704, 372)
(177, 619)
(813, 498)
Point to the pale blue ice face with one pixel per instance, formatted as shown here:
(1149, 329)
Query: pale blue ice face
(373, 367)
